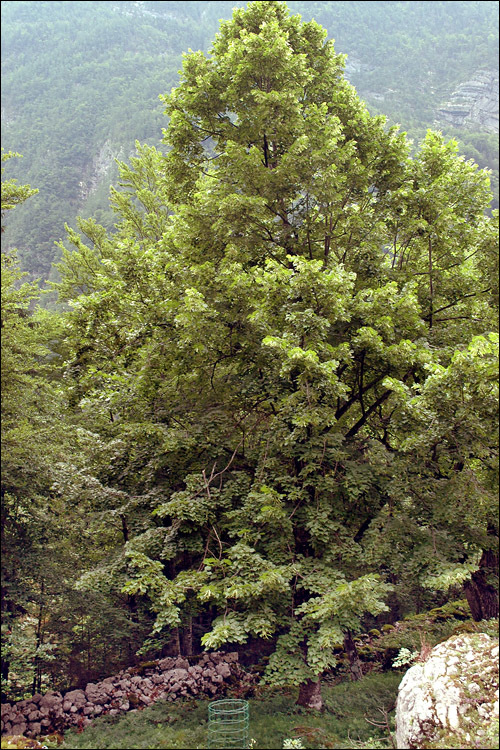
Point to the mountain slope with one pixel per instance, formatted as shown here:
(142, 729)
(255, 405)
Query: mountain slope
(80, 83)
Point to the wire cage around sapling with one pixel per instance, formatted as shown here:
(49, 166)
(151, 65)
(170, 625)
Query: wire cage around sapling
(228, 722)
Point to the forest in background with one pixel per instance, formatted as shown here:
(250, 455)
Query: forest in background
(80, 84)
(267, 417)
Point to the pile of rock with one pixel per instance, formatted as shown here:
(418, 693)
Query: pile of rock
(131, 689)
(451, 700)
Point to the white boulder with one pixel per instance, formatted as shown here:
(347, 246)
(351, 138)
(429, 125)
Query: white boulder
(450, 697)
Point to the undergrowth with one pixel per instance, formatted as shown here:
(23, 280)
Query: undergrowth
(356, 715)
(350, 709)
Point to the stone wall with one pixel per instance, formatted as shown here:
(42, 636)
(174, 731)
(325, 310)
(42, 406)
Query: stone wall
(452, 698)
(131, 689)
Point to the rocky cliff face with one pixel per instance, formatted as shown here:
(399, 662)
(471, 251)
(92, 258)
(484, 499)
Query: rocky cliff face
(452, 699)
(100, 169)
(474, 103)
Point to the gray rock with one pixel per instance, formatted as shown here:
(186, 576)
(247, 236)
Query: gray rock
(177, 675)
(76, 697)
(474, 102)
(91, 687)
(434, 703)
(35, 729)
(166, 664)
(57, 711)
(49, 700)
(19, 728)
(97, 693)
(223, 670)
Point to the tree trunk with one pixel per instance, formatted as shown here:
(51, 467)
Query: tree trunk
(177, 642)
(187, 638)
(352, 653)
(37, 676)
(5, 670)
(310, 695)
(481, 593)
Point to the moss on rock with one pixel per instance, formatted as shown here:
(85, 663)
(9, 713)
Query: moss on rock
(9, 742)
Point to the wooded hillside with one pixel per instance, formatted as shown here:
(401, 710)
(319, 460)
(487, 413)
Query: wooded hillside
(267, 418)
(81, 80)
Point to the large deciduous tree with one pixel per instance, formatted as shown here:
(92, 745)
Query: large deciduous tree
(263, 338)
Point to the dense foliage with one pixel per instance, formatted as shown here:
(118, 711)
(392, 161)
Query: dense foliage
(51, 632)
(80, 83)
(266, 340)
(270, 414)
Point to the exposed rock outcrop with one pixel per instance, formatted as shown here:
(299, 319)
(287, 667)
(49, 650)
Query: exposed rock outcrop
(131, 689)
(474, 103)
(100, 168)
(452, 698)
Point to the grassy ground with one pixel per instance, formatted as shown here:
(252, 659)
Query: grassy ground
(273, 718)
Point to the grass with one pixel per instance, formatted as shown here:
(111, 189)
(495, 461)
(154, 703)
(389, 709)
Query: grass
(273, 718)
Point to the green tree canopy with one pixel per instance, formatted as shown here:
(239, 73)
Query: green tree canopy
(47, 625)
(261, 339)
